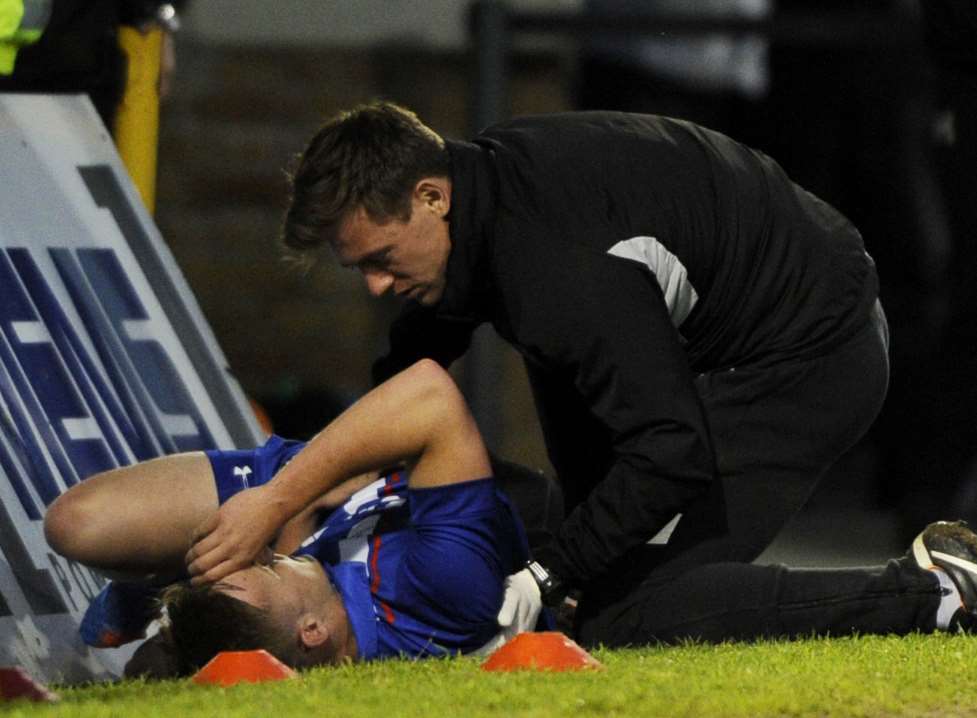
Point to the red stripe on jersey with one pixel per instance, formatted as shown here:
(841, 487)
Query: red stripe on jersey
(392, 480)
(375, 581)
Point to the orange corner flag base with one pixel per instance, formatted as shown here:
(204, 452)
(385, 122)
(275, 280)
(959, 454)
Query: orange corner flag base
(230, 667)
(15, 683)
(548, 651)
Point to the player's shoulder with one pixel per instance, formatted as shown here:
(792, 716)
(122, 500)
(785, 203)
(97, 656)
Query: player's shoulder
(454, 500)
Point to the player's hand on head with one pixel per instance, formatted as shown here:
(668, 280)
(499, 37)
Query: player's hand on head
(233, 537)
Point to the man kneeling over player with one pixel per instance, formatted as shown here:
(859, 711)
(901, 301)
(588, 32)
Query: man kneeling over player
(411, 561)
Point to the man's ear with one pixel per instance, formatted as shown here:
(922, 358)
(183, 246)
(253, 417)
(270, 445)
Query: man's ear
(313, 632)
(435, 193)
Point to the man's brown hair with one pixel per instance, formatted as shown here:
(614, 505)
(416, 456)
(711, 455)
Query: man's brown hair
(204, 620)
(372, 157)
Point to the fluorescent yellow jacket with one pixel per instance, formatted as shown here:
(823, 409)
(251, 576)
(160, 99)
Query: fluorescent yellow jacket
(21, 23)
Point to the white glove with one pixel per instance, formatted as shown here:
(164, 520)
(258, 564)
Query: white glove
(520, 609)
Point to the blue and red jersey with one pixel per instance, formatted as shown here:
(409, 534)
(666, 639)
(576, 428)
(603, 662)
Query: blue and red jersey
(421, 571)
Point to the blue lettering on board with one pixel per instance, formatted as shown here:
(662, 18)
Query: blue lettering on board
(72, 408)
(183, 427)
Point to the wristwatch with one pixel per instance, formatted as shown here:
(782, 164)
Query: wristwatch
(552, 590)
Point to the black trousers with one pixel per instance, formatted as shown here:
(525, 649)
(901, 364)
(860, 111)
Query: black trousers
(776, 431)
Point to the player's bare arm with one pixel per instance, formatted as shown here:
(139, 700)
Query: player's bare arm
(424, 420)
(138, 521)
(134, 520)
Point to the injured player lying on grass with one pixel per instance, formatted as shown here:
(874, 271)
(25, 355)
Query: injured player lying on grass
(406, 562)
(414, 562)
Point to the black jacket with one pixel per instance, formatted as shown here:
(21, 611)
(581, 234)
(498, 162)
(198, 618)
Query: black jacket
(621, 255)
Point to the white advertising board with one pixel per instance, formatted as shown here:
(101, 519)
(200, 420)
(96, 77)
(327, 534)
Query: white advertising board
(105, 359)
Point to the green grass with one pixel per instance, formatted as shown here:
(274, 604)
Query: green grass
(871, 676)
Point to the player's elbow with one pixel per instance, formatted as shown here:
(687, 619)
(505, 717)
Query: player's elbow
(427, 372)
(72, 524)
(434, 384)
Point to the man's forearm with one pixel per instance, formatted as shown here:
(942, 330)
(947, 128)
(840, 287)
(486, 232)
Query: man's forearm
(625, 510)
(418, 415)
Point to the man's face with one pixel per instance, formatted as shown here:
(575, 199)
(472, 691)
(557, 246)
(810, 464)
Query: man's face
(287, 588)
(409, 257)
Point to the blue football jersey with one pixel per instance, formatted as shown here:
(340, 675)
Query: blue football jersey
(421, 571)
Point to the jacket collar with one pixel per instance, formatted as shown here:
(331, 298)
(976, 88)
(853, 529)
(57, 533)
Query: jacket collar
(474, 192)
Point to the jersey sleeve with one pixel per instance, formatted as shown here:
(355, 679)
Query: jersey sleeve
(609, 354)
(464, 541)
(241, 469)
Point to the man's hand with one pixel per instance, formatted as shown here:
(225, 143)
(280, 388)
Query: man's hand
(520, 610)
(521, 605)
(234, 536)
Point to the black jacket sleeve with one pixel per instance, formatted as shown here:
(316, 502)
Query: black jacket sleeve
(417, 334)
(950, 31)
(603, 331)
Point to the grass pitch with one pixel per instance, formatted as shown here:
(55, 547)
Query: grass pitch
(933, 675)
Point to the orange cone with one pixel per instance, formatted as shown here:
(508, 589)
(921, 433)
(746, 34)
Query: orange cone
(230, 667)
(15, 682)
(547, 651)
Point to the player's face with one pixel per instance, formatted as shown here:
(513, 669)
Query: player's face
(286, 587)
(408, 258)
